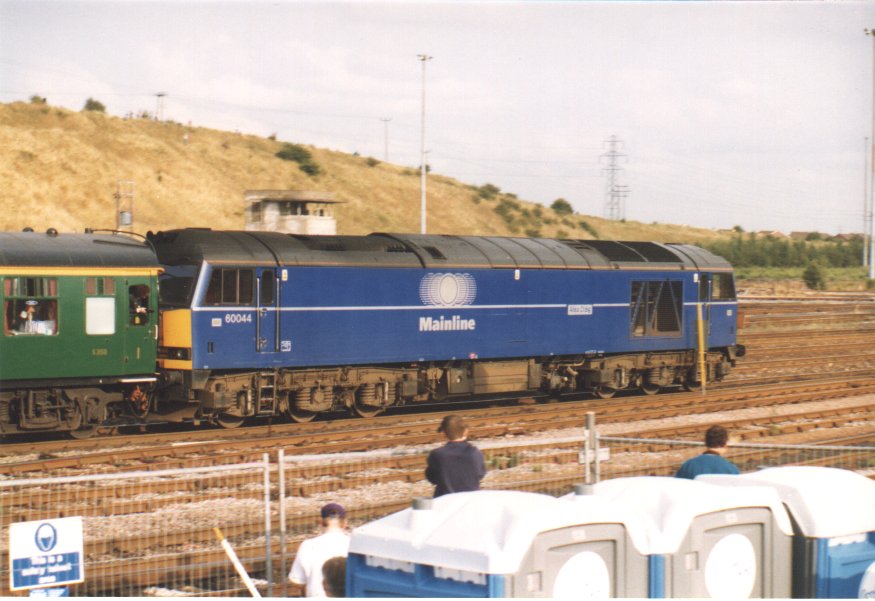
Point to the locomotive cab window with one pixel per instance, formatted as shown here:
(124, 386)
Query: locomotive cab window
(656, 308)
(230, 287)
(30, 306)
(267, 292)
(176, 285)
(723, 287)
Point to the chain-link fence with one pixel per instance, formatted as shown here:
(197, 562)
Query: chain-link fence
(660, 457)
(150, 533)
(147, 533)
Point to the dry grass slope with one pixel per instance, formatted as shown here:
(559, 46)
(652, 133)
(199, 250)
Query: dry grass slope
(60, 168)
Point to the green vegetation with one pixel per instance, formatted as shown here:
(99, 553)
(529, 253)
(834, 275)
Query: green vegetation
(300, 155)
(758, 251)
(488, 191)
(562, 207)
(92, 105)
(814, 276)
(585, 226)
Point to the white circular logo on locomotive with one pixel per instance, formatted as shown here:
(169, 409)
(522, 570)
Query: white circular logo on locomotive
(448, 289)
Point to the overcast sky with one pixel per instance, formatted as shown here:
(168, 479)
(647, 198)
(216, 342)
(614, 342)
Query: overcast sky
(750, 114)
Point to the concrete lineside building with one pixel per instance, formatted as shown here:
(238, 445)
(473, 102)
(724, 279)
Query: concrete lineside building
(291, 212)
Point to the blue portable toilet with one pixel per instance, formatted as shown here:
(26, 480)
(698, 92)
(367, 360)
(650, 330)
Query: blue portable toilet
(499, 544)
(709, 541)
(833, 513)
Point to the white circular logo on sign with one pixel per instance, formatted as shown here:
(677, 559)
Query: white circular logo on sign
(731, 568)
(867, 584)
(447, 289)
(583, 576)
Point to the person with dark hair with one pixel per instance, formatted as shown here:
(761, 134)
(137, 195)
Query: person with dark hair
(334, 577)
(712, 460)
(314, 552)
(458, 466)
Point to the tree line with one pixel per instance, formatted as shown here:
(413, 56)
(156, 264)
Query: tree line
(751, 250)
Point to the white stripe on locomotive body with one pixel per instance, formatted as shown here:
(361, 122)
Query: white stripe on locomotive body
(250, 308)
(398, 308)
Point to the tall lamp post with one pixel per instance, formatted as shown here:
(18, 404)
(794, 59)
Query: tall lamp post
(871, 32)
(385, 121)
(424, 58)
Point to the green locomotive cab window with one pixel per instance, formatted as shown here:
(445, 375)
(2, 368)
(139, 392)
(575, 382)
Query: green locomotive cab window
(30, 306)
(139, 304)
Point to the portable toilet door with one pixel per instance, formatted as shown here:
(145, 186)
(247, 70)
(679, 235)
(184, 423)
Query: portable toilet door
(728, 554)
(592, 561)
(708, 541)
(833, 515)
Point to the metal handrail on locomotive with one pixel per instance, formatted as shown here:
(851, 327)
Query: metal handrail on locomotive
(264, 324)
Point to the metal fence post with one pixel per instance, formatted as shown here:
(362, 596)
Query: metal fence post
(281, 469)
(267, 532)
(590, 472)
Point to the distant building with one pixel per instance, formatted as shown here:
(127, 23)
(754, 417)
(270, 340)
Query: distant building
(291, 212)
(772, 234)
(847, 237)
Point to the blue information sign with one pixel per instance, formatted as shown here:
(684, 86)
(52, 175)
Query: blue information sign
(46, 553)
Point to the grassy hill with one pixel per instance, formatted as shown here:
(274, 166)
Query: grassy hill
(60, 168)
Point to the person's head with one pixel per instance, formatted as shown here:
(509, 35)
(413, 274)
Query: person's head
(334, 577)
(333, 514)
(716, 437)
(454, 428)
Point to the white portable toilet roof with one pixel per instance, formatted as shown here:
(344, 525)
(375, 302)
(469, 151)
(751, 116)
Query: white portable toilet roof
(487, 531)
(671, 504)
(826, 502)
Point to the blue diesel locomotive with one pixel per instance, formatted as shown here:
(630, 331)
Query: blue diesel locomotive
(264, 324)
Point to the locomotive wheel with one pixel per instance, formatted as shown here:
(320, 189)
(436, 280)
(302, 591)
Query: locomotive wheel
(604, 392)
(650, 388)
(91, 415)
(691, 383)
(229, 421)
(693, 386)
(301, 416)
(84, 432)
(363, 410)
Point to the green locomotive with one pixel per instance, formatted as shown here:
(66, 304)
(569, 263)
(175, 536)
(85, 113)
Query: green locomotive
(79, 339)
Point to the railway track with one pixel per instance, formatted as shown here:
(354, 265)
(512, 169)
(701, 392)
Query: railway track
(787, 390)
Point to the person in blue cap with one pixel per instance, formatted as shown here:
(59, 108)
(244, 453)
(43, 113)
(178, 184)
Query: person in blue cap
(314, 552)
(712, 460)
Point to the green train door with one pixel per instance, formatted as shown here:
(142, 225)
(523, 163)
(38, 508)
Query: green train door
(139, 320)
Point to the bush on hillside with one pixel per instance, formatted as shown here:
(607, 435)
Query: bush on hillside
(294, 152)
(562, 207)
(585, 226)
(488, 191)
(36, 99)
(300, 155)
(94, 105)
